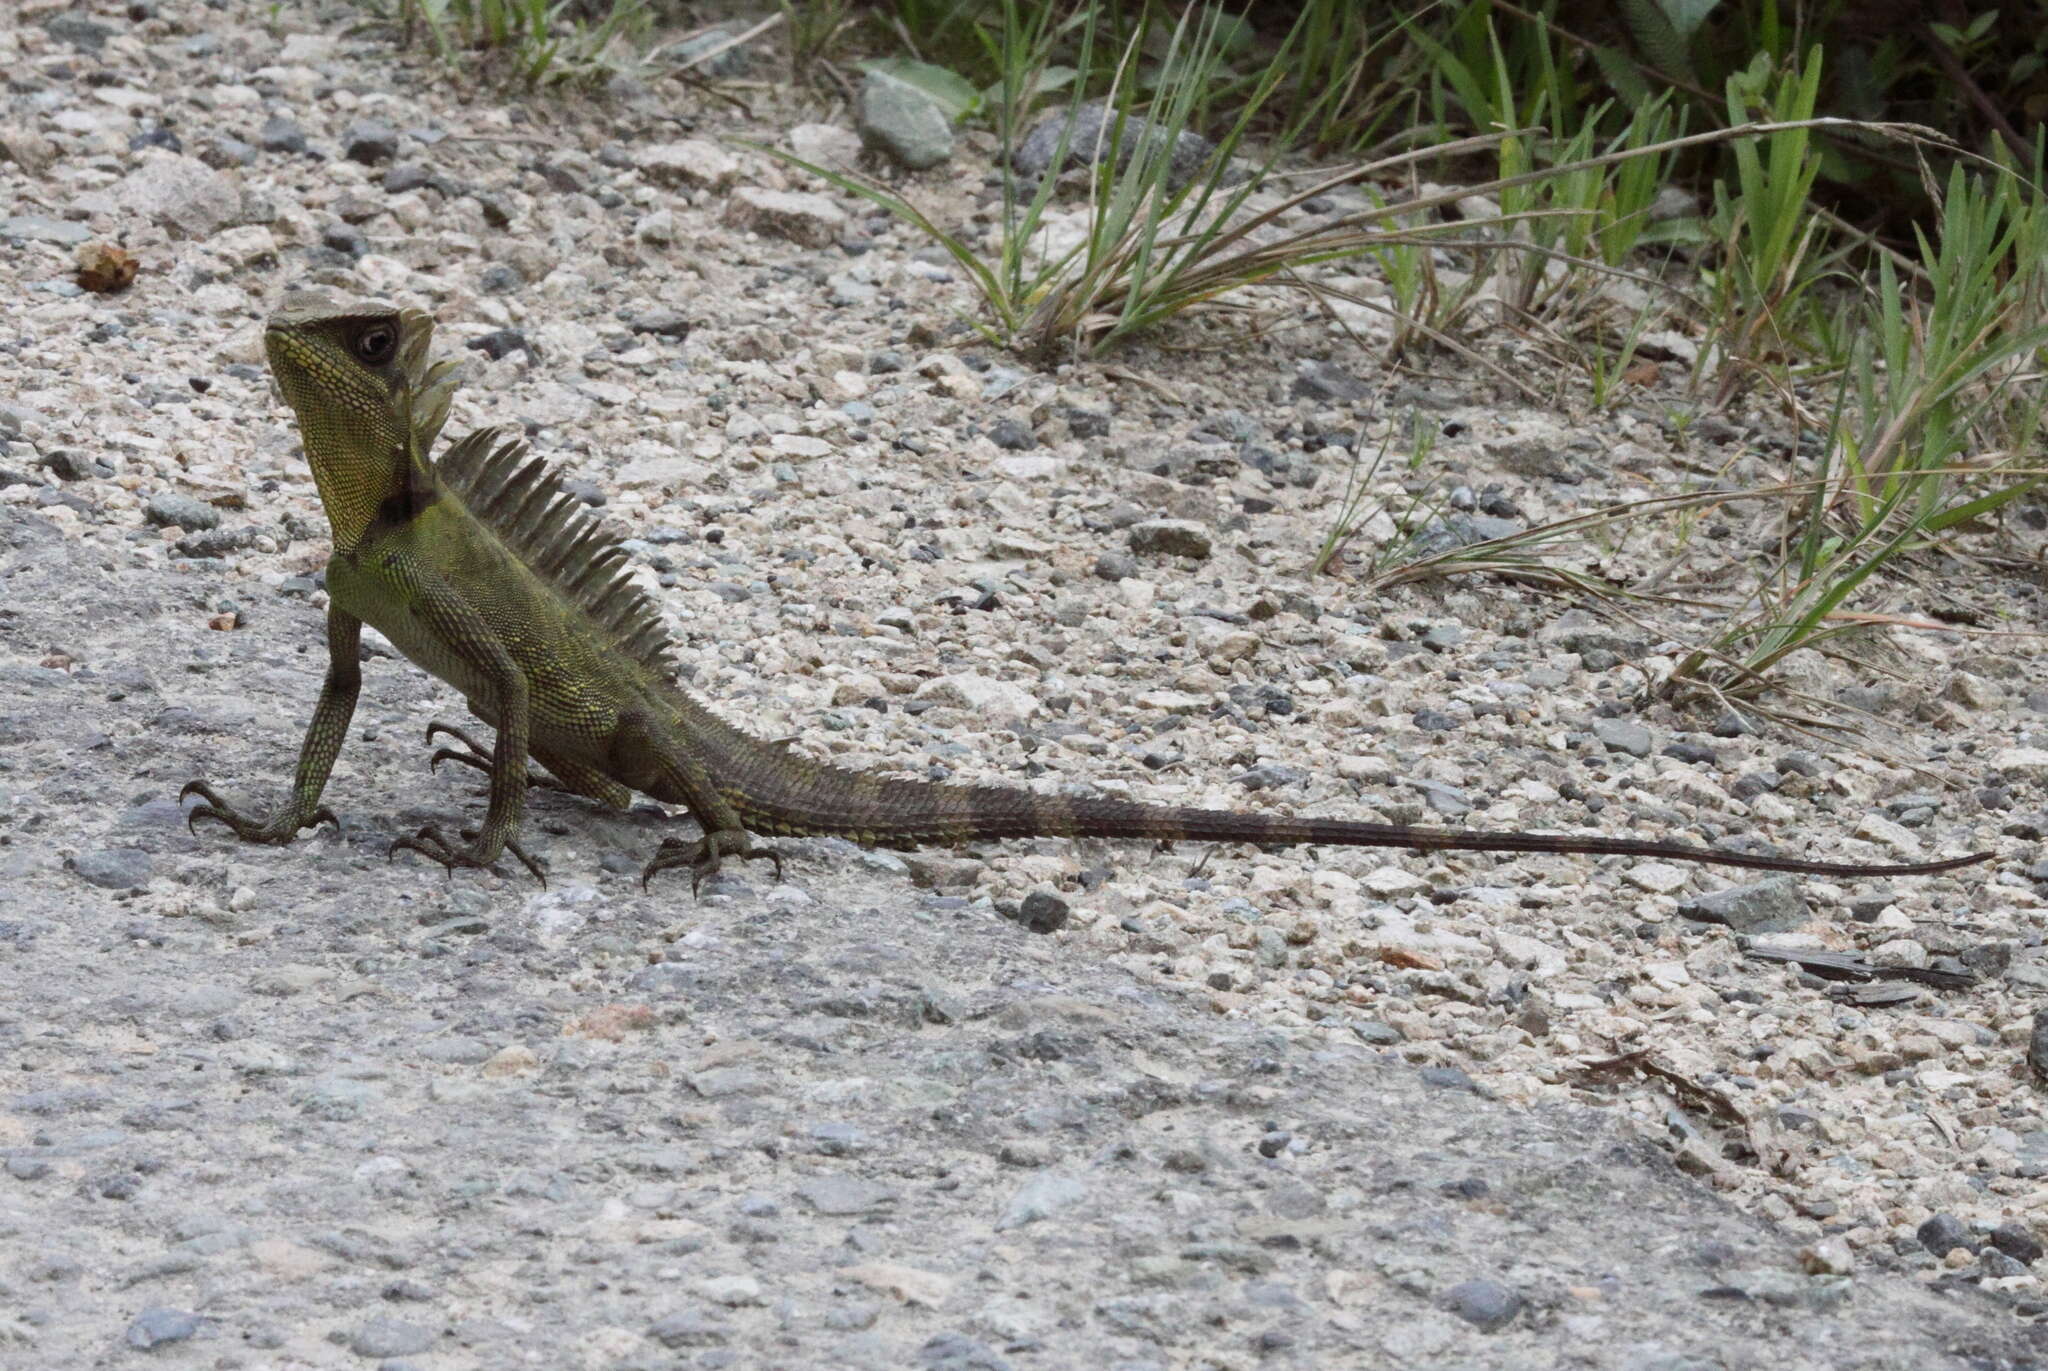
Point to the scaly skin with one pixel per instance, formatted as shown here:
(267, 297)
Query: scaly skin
(485, 574)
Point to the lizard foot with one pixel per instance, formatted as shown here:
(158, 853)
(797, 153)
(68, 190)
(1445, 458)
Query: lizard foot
(431, 843)
(479, 757)
(704, 855)
(279, 828)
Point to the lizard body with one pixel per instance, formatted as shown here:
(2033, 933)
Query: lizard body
(481, 569)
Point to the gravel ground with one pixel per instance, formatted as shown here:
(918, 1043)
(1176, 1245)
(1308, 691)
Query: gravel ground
(301, 1107)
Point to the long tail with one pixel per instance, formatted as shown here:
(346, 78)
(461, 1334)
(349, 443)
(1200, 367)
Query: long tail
(806, 798)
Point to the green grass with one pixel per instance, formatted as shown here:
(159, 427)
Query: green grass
(1906, 354)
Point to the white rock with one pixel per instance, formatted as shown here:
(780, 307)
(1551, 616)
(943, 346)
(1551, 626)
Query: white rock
(732, 1291)
(182, 194)
(808, 220)
(1897, 837)
(1659, 878)
(984, 695)
(301, 49)
(825, 145)
(2030, 762)
(691, 162)
(1393, 882)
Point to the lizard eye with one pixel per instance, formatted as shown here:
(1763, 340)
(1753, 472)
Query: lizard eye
(375, 345)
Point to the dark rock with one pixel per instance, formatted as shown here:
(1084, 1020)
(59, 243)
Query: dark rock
(69, 26)
(156, 136)
(500, 278)
(1328, 381)
(346, 239)
(2017, 1241)
(1042, 912)
(1944, 1233)
(1087, 423)
(1172, 537)
(155, 1327)
(1488, 1306)
(1011, 435)
(2037, 1046)
(501, 343)
(661, 321)
(958, 1352)
(407, 176)
(370, 141)
(69, 464)
(497, 211)
(1776, 905)
(180, 511)
(280, 134)
(1448, 1078)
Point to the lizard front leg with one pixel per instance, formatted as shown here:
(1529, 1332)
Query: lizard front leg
(465, 632)
(324, 737)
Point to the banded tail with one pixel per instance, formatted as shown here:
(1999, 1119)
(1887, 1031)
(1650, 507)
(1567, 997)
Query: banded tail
(808, 798)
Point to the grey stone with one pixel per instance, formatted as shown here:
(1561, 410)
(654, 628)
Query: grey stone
(689, 1328)
(900, 120)
(1328, 381)
(69, 26)
(280, 134)
(173, 510)
(1091, 135)
(182, 194)
(1170, 537)
(1044, 1196)
(1775, 905)
(840, 1195)
(1623, 735)
(155, 1327)
(383, 1336)
(41, 228)
(216, 542)
(69, 464)
(1488, 1306)
(113, 868)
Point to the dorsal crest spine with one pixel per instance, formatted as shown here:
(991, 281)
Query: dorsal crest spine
(520, 498)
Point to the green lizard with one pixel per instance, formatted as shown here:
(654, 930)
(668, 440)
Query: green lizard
(480, 568)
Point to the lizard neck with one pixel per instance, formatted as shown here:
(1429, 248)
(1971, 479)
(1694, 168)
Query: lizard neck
(356, 486)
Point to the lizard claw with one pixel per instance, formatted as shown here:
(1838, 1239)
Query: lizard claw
(704, 856)
(431, 843)
(279, 829)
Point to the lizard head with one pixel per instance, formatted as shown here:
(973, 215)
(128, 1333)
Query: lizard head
(368, 399)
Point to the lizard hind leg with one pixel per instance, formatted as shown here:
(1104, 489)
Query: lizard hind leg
(704, 856)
